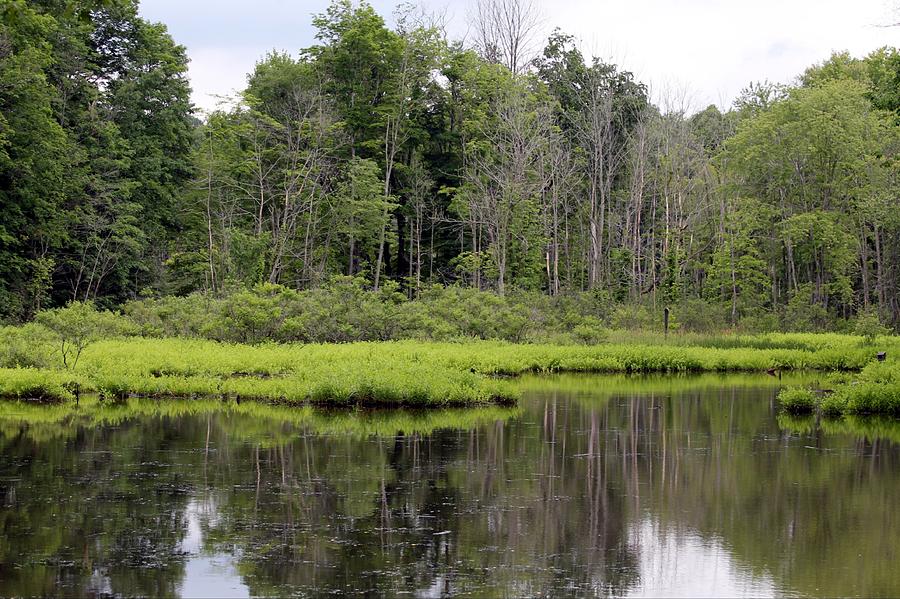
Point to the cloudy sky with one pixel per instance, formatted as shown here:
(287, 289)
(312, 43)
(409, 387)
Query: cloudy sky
(693, 52)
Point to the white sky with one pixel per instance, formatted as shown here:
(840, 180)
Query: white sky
(698, 51)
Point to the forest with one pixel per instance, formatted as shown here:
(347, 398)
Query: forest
(410, 162)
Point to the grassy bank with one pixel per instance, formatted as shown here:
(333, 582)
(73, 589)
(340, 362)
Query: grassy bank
(873, 390)
(396, 373)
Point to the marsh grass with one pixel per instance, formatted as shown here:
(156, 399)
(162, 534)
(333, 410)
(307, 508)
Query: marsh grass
(875, 389)
(42, 385)
(406, 373)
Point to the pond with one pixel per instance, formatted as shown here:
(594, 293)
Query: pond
(594, 485)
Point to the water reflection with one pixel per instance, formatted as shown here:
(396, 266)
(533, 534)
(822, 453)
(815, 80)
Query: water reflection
(679, 563)
(596, 486)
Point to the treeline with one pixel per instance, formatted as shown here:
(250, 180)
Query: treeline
(395, 154)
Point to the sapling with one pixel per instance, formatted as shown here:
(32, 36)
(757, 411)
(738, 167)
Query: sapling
(78, 325)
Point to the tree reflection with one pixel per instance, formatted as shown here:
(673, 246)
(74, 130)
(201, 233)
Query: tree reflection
(553, 498)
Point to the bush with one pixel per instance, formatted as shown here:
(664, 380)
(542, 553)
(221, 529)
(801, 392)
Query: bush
(798, 401)
(32, 345)
(636, 317)
(698, 316)
(590, 331)
(346, 309)
(803, 314)
(78, 325)
(868, 326)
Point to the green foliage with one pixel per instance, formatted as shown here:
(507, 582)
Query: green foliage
(874, 390)
(392, 153)
(869, 327)
(95, 135)
(41, 385)
(798, 401)
(78, 325)
(32, 345)
(698, 316)
(803, 313)
(421, 373)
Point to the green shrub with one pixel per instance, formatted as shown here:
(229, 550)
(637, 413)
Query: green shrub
(636, 317)
(590, 331)
(796, 400)
(31, 345)
(43, 385)
(699, 316)
(78, 325)
(869, 327)
(804, 314)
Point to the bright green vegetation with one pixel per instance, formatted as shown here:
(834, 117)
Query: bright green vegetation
(335, 374)
(48, 385)
(541, 192)
(399, 373)
(874, 390)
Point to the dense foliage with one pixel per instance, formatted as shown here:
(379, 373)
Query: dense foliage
(405, 160)
(95, 142)
(41, 361)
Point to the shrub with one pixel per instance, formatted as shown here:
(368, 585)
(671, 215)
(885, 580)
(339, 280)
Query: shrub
(78, 325)
(636, 317)
(699, 316)
(31, 345)
(590, 331)
(869, 327)
(795, 400)
(803, 313)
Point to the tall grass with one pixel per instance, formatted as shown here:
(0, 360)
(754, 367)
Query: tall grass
(404, 372)
(873, 390)
(45, 385)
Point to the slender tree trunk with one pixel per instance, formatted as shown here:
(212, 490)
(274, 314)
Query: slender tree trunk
(864, 265)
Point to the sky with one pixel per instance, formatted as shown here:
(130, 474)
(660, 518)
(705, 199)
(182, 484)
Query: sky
(691, 53)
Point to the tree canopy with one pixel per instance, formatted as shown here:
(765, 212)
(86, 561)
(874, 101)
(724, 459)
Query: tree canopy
(392, 153)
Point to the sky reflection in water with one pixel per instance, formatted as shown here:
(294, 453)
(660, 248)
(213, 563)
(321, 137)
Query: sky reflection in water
(596, 486)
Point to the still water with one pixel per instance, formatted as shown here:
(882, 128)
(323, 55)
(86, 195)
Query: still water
(593, 486)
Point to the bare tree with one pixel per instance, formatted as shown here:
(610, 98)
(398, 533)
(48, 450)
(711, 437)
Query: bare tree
(505, 183)
(598, 133)
(560, 176)
(420, 189)
(505, 32)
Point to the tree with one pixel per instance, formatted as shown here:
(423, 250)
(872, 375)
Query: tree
(363, 211)
(35, 154)
(505, 32)
(78, 325)
(95, 101)
(815, 157)
(503, 182)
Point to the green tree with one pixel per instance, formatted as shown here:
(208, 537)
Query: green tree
(34, 158)
(78, 325)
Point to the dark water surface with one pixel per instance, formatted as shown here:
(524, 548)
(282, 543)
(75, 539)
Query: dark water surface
(594, 486)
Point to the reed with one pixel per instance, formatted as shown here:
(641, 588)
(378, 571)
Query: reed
(410, 373)
(875, 389)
